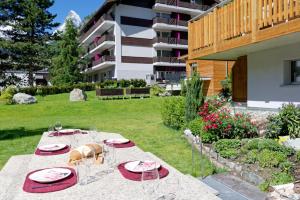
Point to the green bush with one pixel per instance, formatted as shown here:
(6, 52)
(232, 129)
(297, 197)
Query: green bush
(196, 126)
(298, 156)
(268, 158)
(286, 166)
(173, 112)
(269, 144)
(208, 137)
(229, 153)
(183, 88)
(8, 93)
(277, 178)
(287, 122)
(225, 144)
(156, 90)
(251, 157)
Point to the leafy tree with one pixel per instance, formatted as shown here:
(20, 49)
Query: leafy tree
(194, 97)
(26, 40)
(65, 66)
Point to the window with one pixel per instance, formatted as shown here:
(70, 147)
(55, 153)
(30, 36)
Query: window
(295, 72)
(163, 53)
(194, 68)
(163, 15)
(163, 34)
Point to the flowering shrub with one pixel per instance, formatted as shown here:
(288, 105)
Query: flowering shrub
(220, 124)
(210, 107)
(243, 127)
(224, 125)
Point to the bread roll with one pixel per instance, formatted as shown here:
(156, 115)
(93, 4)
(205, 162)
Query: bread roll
(84, 151)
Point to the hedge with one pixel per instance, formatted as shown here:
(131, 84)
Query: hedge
(49, 90)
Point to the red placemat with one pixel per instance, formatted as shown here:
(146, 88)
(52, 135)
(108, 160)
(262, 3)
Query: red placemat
(52, 153)
(35, 187)
(125, 145)
(163, 172)
(55, 134)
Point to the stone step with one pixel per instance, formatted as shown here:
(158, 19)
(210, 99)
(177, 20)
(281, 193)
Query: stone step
(233, 188)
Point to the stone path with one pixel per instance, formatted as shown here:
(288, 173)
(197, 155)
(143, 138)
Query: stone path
(233, 188)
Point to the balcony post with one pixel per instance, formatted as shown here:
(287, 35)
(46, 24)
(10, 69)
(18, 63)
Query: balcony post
(216, 27)
(254, 19)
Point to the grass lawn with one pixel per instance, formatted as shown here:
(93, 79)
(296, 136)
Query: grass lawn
(139, 120)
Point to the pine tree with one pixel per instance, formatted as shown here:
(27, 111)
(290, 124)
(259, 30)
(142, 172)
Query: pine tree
(65, 66)
(194, 97)
(27, 39)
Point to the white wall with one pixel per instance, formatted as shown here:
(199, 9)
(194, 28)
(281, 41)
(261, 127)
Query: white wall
(132, 70)
(267, 77)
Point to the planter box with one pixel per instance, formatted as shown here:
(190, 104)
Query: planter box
(138, 92)
(103, 92)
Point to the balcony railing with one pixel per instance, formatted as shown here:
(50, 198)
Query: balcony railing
(242, 22)
(173, 60)
(96, 24)
(103, 59)
(183, 4)
(170, 21)
(103, 38)
(170, 40)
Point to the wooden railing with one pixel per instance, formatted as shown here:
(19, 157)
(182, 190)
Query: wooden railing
(239, 21)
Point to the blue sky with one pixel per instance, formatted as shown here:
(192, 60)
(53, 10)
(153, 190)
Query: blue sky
(82, 7)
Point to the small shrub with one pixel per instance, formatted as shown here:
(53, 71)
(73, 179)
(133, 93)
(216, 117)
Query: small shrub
(274, 127)
(269, 144)
(243, 127)
(268, 158)
(277, 178)
(226, 144)
(251, 157)
(156, 90)
(208, 137)
(183, 88)
(286, 166)
(229, 153)
(196, 126)
(298, 156)
(226, 91)
(8, 93)
(173, 112)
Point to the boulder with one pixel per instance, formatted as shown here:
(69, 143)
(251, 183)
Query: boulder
(22, 98)
(77, 95)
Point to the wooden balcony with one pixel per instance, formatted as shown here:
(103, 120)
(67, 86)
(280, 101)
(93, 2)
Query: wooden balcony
(94, 45)
(104, 59)
(232, 28)
(169, 61)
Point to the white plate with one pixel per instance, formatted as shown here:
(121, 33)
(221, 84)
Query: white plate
(50, 175)
(117, 141)
(140, 166)
(68, 130)
(52, 147)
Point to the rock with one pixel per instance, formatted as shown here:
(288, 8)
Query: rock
(22, 98)
(77, 95)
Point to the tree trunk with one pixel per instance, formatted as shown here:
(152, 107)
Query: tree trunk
(30, 77)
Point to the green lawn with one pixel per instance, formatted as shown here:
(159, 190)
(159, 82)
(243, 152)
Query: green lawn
(139, 120)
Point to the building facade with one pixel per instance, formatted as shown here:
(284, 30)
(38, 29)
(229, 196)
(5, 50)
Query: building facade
(128, 39)
(263, 37)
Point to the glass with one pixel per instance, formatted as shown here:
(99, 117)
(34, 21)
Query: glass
(57, 126)
(93, 134)
(172, 186)
(85, 172)
(150, 180)
(110, 156)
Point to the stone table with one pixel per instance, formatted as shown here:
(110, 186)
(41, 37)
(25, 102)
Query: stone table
(112, 186)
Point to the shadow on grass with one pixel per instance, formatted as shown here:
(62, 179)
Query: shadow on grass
(10, 134)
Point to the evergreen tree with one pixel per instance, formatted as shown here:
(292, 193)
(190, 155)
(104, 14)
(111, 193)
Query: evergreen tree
(194, 97)
(27, 40)
(65, 66)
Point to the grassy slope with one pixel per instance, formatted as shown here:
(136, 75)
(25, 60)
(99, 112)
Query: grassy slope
(139, 120)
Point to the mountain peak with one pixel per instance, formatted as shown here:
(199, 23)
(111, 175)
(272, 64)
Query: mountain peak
(74, 17)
